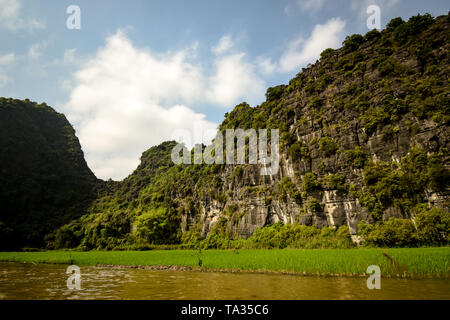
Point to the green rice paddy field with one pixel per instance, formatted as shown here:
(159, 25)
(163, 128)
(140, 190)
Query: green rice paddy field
(401, 262)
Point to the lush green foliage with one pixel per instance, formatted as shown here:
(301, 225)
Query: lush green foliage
(352, 42)
(430, 227)
(356, 157)
(335, 182)
(310, 182)
(300, 236)
(276, 235)
(404, 31)
(402, 184)
(298, 151)
(288, 188)
(155, 226)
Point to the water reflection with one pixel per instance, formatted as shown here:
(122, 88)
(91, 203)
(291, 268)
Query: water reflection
(46, 281)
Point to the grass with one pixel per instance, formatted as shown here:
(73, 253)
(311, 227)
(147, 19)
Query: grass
(411, 262)
(423, 261)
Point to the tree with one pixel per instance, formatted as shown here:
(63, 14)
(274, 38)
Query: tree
(432, 225)
(351, 43)
(154, 226)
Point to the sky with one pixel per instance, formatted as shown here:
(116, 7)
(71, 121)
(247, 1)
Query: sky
(140, 72)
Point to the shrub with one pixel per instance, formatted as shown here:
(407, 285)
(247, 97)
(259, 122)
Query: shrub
(393, 233)
(335, 182)
(383, 182)
(403, 184)
(240, 117)
(287, 138)
(326, 53)
(191, 237)
(215, 241)
(68, 236)
(415, 25)
(345, 63)
(438, 176)
(287, 187)
(356, 157)
(372, 203)
(325, 80)
(364, 229)
(275, 93)
(375, 118)
(394, 23)
(327, 146)
(385, 51)
(386, 67)
(372, 35)
(314, 205)
(344, 238)
(298, 150)
(433, 225)
(310, 182)
(281, 235)
(154, 226)
(5, 233)
(351, 43)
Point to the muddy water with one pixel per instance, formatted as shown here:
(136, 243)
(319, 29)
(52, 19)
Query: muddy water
(46, 281)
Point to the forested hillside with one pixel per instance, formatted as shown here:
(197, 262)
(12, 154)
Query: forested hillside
(45, 181)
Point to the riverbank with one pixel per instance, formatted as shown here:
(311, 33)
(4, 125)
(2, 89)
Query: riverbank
(401, 262)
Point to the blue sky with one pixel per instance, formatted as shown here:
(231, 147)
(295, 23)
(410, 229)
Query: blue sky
(140, 72)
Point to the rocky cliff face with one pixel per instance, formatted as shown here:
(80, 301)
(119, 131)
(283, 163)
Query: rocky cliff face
(251, 191)
(372, 99)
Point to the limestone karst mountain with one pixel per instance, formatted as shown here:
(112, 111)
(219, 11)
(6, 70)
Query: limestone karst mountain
(364, 136)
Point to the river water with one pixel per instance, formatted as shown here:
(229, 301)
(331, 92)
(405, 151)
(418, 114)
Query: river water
(47, 281)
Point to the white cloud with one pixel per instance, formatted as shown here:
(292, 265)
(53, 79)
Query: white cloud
(69, 56)
(301, 52)
(10, 17)
(126, 99)
(7, 59)
(266, 65)
(235, 80)
(36, 49)
(5, 63)
(9, 9)
(225, 44)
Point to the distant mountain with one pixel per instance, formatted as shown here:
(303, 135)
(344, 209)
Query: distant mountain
(44, 181)
(364, 136)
